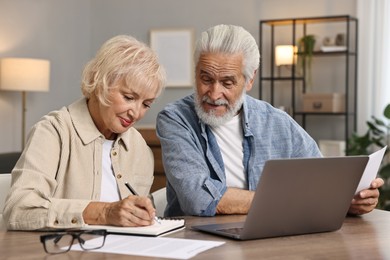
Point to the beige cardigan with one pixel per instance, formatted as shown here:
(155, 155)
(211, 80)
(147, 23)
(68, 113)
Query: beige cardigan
(59, 172)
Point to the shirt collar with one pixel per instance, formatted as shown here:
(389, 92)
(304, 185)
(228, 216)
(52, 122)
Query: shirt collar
(245, 115)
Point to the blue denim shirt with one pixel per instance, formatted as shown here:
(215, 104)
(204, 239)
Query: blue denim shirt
(193, 162)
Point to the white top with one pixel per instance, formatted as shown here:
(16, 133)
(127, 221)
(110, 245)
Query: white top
(110, 192)
(230, 140)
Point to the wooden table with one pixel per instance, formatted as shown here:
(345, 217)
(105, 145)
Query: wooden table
(366, 237)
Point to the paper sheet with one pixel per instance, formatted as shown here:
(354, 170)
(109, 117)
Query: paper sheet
(371, 169)
(165, 247)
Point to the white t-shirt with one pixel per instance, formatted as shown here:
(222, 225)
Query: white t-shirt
(230, 138)
(109, 188)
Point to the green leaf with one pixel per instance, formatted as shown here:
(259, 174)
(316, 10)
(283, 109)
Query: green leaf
(379, 122)
(373, 127)
(386, 113)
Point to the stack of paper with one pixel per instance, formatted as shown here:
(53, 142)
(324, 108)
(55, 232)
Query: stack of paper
(157, 229)
(173, 248)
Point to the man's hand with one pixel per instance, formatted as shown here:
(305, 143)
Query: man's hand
(366, 200)
(235, 201)
(129, 212)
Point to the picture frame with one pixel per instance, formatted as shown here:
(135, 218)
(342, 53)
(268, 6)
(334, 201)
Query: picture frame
(174, 49)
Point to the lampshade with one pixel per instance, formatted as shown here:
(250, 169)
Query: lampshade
(20, 74)
(285, 55)
(24, 75)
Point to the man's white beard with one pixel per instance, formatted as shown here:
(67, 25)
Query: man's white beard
(209, 118)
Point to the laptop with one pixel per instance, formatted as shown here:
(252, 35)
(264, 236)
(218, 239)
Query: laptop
(297, 196)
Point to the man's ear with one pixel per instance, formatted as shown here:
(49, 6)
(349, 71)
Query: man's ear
(251, 81)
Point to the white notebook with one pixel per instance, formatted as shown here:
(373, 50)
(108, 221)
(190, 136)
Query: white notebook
(168, 225)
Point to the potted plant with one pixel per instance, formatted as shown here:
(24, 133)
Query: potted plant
(305, 52)
(377, 134)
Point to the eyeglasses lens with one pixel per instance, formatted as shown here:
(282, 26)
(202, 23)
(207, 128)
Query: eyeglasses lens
(58, 244)
(89, 241)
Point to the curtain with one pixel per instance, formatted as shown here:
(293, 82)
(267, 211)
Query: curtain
(374, 59)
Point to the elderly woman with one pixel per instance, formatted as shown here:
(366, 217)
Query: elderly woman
(77, 159)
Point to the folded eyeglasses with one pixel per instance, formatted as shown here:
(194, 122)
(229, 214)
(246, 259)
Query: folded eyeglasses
(57, 243)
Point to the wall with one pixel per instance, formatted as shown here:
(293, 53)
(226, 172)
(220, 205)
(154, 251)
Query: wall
(50, 29)
(68, 33)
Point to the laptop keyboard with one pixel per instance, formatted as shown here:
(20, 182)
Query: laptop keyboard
(234, 231)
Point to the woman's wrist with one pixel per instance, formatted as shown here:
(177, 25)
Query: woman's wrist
(96, 213)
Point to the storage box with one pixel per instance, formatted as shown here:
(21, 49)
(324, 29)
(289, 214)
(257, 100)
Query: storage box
(332, 147)
(323, 102)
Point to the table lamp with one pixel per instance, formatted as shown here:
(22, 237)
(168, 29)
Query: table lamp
(20, 74)
(285, 55)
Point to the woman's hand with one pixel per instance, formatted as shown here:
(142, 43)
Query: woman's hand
(129, 212)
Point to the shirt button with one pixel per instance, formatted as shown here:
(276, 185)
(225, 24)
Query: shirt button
(74, 220)
(56, 222)
(114, 153)
(119, 176)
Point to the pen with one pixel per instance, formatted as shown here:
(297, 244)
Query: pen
(136, 194)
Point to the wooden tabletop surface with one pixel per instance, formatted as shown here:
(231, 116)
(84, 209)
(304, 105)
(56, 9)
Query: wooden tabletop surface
(366, 237)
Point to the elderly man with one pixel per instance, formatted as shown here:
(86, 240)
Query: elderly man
(215, 142)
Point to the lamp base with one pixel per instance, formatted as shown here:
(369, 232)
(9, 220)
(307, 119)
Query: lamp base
(24, 110)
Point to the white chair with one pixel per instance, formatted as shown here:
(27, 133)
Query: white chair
(160, 201)
(5, 184)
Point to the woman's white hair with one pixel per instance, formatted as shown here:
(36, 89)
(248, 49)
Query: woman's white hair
(122, 59)
(230, 39)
